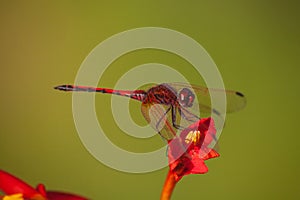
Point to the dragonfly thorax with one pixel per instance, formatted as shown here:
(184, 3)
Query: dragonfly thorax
(161, 94)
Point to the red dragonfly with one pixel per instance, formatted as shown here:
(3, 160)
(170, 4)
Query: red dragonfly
(171, 106)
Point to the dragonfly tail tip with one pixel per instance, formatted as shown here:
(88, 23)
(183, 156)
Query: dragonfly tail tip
(62, 87)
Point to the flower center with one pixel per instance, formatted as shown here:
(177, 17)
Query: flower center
(193, 136)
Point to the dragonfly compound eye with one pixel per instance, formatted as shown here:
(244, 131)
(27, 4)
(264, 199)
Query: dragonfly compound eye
(186, 97)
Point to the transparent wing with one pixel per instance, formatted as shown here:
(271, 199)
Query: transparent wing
(160, 116)
(235, 100)
(160, 119)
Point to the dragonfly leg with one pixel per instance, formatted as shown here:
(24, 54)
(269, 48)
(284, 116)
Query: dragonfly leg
(174, 118)
(186, 114)
(192, 117)
(162, 117)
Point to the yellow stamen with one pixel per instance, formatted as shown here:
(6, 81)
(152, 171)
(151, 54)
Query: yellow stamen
(193, 136)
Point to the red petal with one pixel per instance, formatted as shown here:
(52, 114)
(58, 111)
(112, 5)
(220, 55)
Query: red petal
(207, 126)
(53, 195)
(176, 149)
(199, 166)
(202, 125)
(211, 154)
(41, 189)
(10, 184)
(181, 167)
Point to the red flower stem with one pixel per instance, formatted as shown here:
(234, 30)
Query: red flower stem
(168, 186)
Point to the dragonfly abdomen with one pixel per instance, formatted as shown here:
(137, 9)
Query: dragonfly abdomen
(136, 94)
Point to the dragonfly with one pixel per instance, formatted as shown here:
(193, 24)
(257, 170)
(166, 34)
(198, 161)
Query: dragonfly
(169, 107)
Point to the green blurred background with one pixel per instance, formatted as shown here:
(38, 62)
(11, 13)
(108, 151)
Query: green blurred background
(255, 45)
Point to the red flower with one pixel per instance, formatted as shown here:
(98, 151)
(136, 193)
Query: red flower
(11, 185)
(188, 152)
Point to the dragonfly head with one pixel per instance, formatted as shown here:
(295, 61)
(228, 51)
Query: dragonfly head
(186, 97)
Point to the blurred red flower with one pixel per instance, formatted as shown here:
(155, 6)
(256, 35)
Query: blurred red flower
(15, 188)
